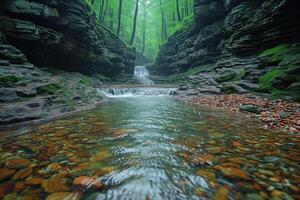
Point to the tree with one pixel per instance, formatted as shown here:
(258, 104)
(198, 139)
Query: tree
(178, 10)
(119, 17)
(144, 29)
(134, 22)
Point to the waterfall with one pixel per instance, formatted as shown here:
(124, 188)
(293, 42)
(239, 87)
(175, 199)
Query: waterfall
(135, 92)
(141, 74)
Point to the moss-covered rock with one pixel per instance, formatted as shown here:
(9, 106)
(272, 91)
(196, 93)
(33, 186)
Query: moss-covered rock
(283, 79)
(49, 88)
(9, 80)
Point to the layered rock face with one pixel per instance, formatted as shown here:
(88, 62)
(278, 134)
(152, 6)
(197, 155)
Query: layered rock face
(39, 41)
(237, 46)
(63, 34)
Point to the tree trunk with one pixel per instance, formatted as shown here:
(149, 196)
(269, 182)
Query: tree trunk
(111, 22)
(162, 22)
(144, 30)
(186, 8)
(119, 18)
(178, 10)
(104, 12)
(134, 22)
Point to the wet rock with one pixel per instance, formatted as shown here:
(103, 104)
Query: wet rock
(12, 54)
(232, 172)
(200, 192)
(63, 195)
(6, 189)
(252, 109)
(33, 181)
(21, 174)
(254, 196)
(87, 182)
(266, 172)
(27, 92)
(56, 183)
(6, 173)
(204, 159)
(100, 156)
(8, 96)
(221, 194)
(237, 160)
(208, 175)
(20, 186)
(18, 163)
(214, 150)
(271, 159)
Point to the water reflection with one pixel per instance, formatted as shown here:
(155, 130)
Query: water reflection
(150, 148)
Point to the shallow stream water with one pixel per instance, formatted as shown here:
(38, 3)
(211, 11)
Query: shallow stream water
(150, 148)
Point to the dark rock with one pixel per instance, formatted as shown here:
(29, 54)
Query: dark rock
(62, 38)
(11, 54)
(27, 93)
(208, 11)
(226, 77)
(8, 96)
(231, 35)
(252, 109)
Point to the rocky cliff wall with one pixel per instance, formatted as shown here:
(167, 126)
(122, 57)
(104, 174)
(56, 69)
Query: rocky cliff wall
(63, 34)
(237, 46)
(41, 39)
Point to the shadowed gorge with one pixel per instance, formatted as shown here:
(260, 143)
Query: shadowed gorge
(149, 99)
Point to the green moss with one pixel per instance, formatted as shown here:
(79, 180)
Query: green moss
(9, 80)
(275, 50)
(284, 79)
(85, 80)
(277, 53)
(183, 25)
(67, 96)
(228, 76)
(50, 88)
(228, 89)
(266, 81)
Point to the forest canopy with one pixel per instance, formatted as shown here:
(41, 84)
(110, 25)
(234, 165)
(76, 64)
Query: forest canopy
(144, 24)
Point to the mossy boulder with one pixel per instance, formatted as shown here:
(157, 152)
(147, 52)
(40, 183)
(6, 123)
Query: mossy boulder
(10, 80)
(50, 88)
(283, 79)
(228, 76)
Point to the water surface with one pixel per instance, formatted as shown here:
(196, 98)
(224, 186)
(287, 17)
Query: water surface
(153, 148)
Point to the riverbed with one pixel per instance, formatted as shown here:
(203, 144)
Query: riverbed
(149, 147)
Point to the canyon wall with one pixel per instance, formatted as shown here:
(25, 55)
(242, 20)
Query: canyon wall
(45, 48)
(63, 34)
(237, 46)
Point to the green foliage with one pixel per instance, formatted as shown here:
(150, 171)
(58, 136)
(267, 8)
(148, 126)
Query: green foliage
(179, 27)
(50, 88)
(150, 16)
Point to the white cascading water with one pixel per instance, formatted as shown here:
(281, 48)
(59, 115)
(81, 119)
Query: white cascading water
(136, 92)
(141, 74)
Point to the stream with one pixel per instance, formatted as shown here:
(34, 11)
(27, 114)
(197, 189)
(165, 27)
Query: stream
(142, 147)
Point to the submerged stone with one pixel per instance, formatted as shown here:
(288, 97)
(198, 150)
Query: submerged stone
(63, 196)
(87, 182)
(56, 183)
(6, 173)
(18, 163)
